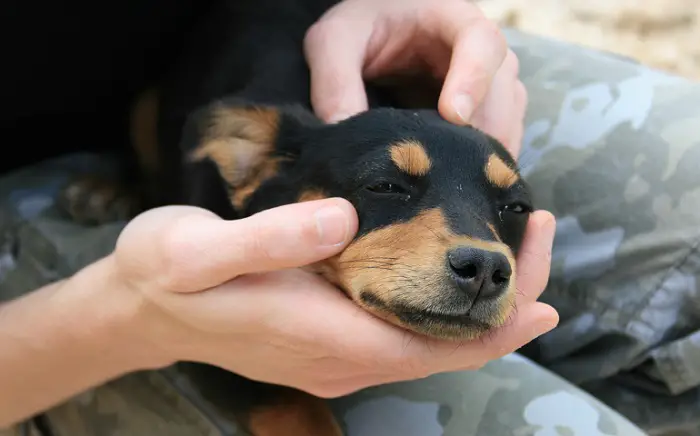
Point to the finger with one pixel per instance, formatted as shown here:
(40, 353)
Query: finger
(535, 257)
(478, 50)
(424, 357)
(529, 322)
(335, 54)
(422, 360)
(515, 143)
(201, 252)
(498, 114)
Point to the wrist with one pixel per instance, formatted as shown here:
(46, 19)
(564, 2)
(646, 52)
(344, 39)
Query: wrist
(70, 336)
(119, 318)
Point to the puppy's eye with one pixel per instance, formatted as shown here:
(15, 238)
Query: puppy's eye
(387, 188)
(517, 208)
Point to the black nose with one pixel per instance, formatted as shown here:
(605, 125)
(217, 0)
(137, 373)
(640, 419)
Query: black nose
(479, 272)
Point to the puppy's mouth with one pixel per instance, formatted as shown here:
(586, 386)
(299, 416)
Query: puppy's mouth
(453, 324)
(415, 316)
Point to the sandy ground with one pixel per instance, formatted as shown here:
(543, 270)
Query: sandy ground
(661, 33)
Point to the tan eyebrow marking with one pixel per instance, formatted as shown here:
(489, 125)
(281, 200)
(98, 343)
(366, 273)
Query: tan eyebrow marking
(499, 173)
(410, 157)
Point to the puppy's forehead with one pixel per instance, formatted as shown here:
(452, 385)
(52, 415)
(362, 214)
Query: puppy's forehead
(422, 143)
(468, 150)
(413, 158)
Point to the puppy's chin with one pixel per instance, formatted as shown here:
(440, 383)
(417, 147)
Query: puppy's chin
(479, 320)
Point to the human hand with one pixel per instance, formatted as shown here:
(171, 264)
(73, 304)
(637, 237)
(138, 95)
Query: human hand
(228, 293)
(449, 40)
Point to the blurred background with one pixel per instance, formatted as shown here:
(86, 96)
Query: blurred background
(664, 34)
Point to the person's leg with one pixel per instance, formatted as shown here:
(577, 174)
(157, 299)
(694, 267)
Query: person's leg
(613, 150)
(510, 396)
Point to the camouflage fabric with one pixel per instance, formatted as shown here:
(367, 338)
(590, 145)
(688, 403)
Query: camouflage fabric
(610, 150)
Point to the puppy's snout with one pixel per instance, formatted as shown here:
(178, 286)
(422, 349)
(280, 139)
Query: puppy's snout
(479, 272)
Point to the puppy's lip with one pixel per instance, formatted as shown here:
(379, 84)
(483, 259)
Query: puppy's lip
(417, 316)
(414, 315)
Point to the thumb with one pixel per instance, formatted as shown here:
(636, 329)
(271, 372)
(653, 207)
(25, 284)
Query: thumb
(200, 251)
(335, 56)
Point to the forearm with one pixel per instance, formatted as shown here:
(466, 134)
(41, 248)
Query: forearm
(65, 338)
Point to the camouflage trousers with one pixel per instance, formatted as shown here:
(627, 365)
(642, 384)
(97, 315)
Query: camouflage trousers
(611, 151)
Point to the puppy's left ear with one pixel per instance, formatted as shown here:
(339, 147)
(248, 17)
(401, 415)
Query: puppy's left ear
(243, 142)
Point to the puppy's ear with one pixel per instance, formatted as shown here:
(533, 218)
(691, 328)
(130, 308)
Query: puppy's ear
(242, 141)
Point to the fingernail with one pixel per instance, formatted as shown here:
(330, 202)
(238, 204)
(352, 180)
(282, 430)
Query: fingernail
(332, 226)
(463, 105)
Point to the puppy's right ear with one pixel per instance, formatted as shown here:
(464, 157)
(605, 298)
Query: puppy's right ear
(242, 141)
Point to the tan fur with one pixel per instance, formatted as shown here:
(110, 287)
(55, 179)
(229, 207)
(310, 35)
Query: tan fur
(266, 171)
(411, 158)
(312, 195)
(299, 414)
(499, 173)
(240, 142)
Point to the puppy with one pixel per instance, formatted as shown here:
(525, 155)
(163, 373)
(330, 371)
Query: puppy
(442, 209)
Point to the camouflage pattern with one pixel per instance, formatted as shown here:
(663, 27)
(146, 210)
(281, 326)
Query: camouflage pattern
(610, 149)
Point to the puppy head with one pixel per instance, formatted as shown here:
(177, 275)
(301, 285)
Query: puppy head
(442, 209)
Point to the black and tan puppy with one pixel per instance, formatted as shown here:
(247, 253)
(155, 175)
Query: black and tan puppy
(442, 208)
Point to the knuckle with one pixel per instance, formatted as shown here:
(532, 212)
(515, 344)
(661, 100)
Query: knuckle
(492, 35)
(258, 243)
(494, 32)
(521, 94)
(511, 63)
(175, 239)
(320, 33)
(314, 35)
(174, 249)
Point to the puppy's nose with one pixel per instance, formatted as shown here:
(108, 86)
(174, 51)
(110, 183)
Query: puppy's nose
(479, 272)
